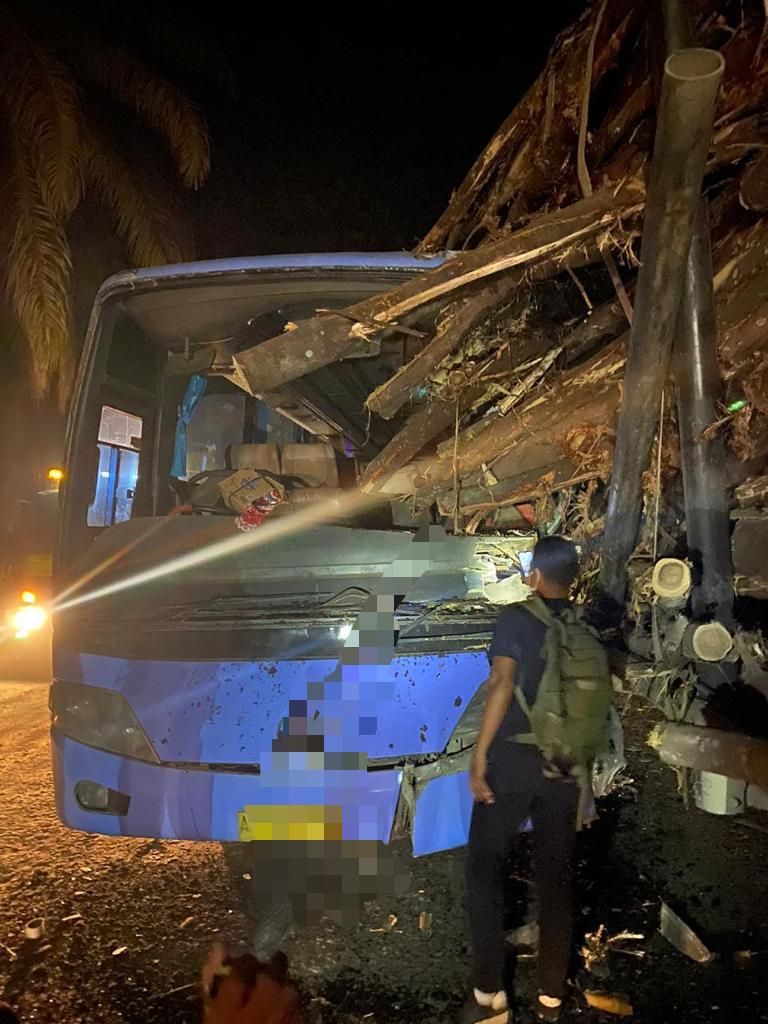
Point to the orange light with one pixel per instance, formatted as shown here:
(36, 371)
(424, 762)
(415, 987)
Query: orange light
(56, 474)
(28, 597)
(27, 619)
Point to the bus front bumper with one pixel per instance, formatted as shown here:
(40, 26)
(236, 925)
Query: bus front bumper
(101, 792)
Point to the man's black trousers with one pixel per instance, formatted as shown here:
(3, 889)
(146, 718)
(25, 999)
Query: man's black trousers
(521, 790)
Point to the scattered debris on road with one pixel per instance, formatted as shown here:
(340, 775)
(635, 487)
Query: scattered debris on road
(683, 937)
(391, 922)
(35, 929)
(599, 945)
(607, 1002)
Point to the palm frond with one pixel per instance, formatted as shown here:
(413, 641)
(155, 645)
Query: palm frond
(158, 103)
(45, 115)
(177, 48)
(141, 217)
(38, 279)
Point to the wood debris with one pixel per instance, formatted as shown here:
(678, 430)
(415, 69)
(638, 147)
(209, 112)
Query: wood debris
(607, 1002)
(513, 349)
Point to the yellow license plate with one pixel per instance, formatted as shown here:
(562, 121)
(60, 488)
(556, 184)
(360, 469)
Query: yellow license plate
(292, 822)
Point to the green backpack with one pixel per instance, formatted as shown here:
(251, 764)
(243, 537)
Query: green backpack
(571, 714)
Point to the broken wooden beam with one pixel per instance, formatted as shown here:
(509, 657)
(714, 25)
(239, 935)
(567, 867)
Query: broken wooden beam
(451, 327)
(429, 422)
(525, 487)
(325, 339)
(603, 323)
(585, 395)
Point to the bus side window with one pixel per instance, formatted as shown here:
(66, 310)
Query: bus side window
(119, 445)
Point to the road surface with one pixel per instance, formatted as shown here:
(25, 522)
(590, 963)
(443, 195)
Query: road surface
(128, 921)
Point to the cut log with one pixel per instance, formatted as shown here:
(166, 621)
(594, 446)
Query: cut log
(712, 750)
(402, 482)
(325, 339)
(557, 478)
(742, 296)
(602, 324)
(741, 337)
(477, 498)
(584, 396)
(423, 426)
(452, 326)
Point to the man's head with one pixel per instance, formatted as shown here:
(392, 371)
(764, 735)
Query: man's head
(554, 567)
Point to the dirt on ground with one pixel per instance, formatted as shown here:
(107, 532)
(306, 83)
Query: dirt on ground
(128, 922)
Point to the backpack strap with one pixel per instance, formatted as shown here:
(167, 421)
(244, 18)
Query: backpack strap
(523, 737)
(536, 606)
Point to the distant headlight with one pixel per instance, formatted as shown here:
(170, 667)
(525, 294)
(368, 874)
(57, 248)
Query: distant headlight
(28, 619)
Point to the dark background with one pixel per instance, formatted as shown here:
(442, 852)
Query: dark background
(342, 131)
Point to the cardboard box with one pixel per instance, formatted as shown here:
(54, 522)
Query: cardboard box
(245, 486)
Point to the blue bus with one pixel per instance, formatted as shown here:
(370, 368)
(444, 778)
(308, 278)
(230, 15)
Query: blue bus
(317, 679)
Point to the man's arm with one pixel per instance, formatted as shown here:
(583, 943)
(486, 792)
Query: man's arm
(501, 689)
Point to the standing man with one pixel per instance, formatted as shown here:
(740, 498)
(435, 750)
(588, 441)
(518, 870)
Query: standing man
(513, 778)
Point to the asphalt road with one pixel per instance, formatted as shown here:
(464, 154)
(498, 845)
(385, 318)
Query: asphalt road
(126, 919)
(128, 922)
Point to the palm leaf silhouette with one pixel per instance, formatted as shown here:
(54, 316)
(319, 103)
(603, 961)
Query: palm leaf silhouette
(42, 96)
(158, 103)
(140, 217)
(54, 82)
(38, 276)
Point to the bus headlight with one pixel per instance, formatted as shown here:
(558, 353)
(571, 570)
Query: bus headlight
(28, 619)
(101, 718)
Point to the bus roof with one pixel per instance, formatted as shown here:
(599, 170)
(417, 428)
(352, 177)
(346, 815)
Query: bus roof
(296, 261)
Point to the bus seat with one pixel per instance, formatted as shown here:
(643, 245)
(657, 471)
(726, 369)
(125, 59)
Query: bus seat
(255, 456)
(315, 464)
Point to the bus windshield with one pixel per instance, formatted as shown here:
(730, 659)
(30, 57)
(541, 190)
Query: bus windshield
(160, 419)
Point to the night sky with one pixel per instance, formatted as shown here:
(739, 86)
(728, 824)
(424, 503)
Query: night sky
(344, 131)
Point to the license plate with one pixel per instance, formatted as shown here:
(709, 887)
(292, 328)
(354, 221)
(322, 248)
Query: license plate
(288, 822)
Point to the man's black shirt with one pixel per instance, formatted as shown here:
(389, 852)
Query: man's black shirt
(520, 635)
